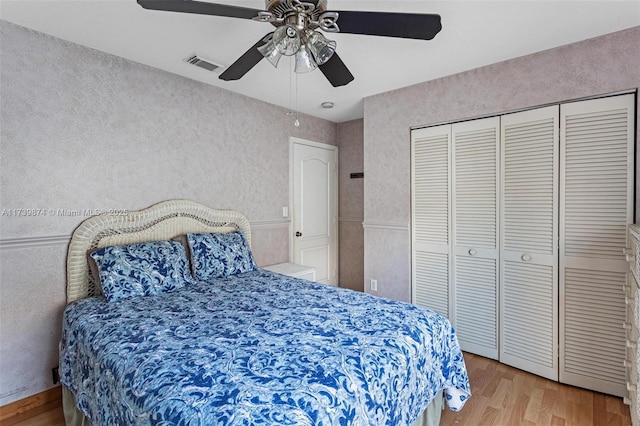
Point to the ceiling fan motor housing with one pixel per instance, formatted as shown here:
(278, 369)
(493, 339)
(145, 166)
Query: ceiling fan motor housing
(285, 10)
(271, 5)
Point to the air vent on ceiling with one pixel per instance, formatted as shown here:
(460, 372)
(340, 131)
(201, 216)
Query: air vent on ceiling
(202, 62)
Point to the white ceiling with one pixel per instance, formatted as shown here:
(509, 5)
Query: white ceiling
(475, 33)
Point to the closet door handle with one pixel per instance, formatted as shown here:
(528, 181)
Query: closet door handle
(525, 258)
(472, 252)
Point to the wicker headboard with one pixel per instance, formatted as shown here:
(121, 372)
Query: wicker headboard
(161, 221)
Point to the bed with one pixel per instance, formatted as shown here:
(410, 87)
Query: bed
(170, 322)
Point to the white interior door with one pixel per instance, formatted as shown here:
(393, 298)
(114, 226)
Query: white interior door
(597, 172)
(529, 241)
(315, 208)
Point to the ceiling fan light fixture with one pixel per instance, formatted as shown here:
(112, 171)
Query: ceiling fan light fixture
(269, 51)
(287, 40)
(320, 47)
(304, 61)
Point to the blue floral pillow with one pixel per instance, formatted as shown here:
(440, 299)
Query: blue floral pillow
(219, 255)
(142, 269)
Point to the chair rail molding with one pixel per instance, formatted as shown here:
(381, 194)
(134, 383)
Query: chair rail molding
(31, 242)
(262, 224)
(52, 240)
(390, 226)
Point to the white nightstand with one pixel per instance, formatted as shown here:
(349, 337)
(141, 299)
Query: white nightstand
(293, 270)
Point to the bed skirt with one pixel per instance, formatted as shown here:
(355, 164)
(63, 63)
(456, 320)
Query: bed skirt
(74, 417)
(431, 415)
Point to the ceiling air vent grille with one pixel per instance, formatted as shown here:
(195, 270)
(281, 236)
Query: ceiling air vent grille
(202, 62)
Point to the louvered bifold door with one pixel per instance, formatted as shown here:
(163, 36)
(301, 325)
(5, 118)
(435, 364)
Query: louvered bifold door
(475, 169)
(596, 205)
(528, 249)
(430, 177)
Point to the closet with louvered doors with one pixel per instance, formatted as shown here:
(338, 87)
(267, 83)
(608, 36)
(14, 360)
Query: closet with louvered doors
(554, 261)
(455, 228)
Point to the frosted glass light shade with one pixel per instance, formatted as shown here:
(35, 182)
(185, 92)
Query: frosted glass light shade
(287, 40)
(311, 48)
(304, 61)
(269, 51)
(320, 47)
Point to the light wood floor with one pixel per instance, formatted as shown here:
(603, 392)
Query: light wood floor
(502, 396)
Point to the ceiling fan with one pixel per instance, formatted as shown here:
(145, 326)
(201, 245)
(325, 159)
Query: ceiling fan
(297, 23)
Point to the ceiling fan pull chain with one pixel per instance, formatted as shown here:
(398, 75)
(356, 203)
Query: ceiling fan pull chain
(297, 122)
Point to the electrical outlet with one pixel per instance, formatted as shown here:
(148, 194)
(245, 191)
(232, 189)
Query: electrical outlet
(373, 285)
(55, 375)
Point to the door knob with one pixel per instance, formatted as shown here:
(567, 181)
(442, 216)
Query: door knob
(298, 234)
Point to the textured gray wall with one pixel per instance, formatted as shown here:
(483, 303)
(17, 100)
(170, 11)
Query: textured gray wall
(351, 146)
(82, 129)
(597, 66)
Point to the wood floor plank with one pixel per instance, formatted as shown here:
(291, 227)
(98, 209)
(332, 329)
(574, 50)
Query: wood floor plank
(500, 397)
(599, 410)
(518, 409)
(490, 417)
(532, 413)
(33, 404)
(52, 416)
(474, 416)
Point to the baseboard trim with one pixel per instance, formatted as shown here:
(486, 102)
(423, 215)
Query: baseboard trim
(29, 406)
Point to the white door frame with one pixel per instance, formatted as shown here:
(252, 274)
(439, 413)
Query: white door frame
(334, 241)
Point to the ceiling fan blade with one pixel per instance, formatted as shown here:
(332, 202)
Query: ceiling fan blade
(405, 25)
(203, 8)
(336, 71)
(244, 63)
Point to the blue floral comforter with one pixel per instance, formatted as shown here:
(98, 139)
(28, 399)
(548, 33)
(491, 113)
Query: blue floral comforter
(258, 349)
